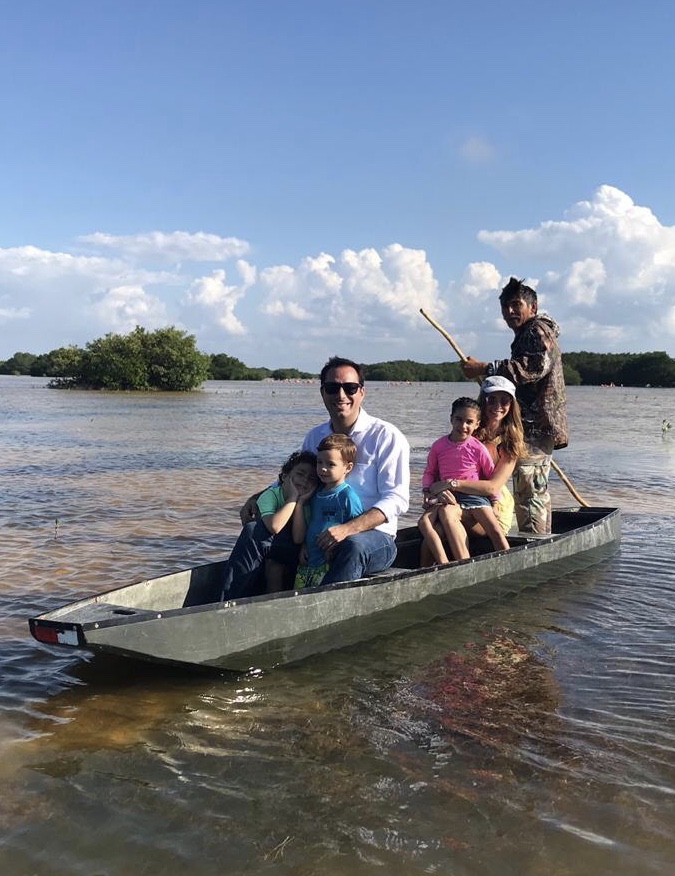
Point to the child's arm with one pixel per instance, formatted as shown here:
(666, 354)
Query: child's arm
(486, 466)
(273, 516)
(430, 473)
(433, 484)
(299, 529)
(276, 522)
(299, 526)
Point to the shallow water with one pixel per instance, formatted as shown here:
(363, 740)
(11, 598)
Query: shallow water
(528, 735)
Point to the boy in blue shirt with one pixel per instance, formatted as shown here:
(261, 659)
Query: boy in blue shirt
(333, 503)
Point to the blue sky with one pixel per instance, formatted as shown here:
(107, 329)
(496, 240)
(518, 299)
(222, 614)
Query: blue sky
(290, 179)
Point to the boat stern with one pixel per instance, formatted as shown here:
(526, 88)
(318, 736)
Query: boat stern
(56, 633)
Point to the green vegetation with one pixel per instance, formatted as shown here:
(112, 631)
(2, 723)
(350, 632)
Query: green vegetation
(225, 367)
(167, 359)
(587, 369)
(19, 363)
(621, 369)
(290, 374)
(571, 375)
(405, 370)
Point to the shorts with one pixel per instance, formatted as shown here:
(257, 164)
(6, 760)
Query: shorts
(310, 576)
(464, 500)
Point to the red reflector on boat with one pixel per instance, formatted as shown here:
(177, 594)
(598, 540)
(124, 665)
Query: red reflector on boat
(55, 635)
(48, 635)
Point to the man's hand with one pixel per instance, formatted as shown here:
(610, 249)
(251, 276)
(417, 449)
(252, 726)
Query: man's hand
(329, 539)
(249, 510)
(473, 369)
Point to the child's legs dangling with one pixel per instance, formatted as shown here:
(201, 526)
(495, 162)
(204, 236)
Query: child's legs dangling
(278, 576)
(487, 519)
(450, 517)
(432, 539)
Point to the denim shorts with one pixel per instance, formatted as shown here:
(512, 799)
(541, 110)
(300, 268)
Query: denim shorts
(464, 500)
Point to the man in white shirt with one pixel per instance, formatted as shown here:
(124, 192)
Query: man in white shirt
(381, 477)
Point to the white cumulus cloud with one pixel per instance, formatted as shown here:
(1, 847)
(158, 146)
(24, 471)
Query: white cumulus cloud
(301, 293)
(604, 269)
(609, 275)
(218, 298)
(369, 293)
(122, 308)
(174, 246)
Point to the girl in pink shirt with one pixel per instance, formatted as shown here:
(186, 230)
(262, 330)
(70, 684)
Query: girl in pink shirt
(454, 457)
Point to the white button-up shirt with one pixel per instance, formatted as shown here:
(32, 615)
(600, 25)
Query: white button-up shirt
(381, 475)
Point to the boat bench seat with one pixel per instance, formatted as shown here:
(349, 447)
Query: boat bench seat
(102, 611)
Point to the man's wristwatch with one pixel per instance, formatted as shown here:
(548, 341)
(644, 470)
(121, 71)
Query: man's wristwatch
(490, 370)
(454, 484)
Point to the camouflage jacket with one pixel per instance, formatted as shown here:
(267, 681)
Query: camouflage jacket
(536, 369)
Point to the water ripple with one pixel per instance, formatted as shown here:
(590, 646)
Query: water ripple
(531, 734)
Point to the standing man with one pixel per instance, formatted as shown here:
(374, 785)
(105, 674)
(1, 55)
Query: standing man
(536, 369)
(381, 478)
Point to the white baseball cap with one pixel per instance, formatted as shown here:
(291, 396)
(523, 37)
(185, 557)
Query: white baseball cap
(498, 384)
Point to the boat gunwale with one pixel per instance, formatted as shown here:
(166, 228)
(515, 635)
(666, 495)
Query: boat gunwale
(139, 615)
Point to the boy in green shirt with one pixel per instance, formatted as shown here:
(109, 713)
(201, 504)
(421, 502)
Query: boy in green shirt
(270, 538)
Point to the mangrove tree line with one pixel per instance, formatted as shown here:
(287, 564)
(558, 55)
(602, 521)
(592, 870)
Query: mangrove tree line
(168, 359)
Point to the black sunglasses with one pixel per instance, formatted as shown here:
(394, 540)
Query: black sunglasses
(333, 387)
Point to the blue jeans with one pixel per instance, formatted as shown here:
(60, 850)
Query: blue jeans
(245, 569)
(361, 554)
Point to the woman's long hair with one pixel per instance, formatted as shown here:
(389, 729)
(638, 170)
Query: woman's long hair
(510, 439)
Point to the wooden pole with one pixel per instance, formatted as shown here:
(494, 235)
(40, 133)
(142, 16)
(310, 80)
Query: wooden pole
(554, 465)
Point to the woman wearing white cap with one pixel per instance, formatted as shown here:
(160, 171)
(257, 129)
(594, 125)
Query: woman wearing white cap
(501, 430)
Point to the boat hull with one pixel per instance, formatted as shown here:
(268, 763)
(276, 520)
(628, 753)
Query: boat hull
(173, 619)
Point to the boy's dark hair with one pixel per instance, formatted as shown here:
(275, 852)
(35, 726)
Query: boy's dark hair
(295, 459)
(464, 402)
(339, 362)
(517, 289)
(343, 443)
